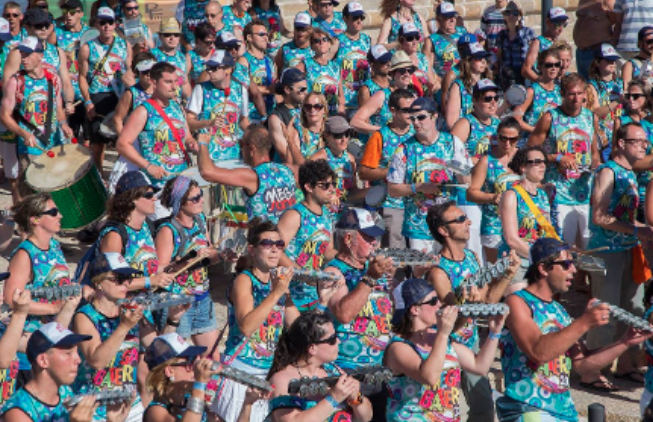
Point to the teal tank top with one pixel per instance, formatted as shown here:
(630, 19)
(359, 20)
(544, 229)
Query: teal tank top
(309, 142)
(233, 23)
(391, 142)
(293, 55)
(607, 92)
(466, 106)
(354, 67)
(445, 49)
(344, 170)
(272, 19)
(69, 42)
(178, 60)
(37, 410)
(497, 180)
(261, 72)
(334, 28)
(140, 251)
(645, 176)
(324, 79)
(194, 15)
(109, 77)
(543, 101)
(275, 194)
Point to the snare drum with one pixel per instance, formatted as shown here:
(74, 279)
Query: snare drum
(194, 174)
(108, 128)
(376, 196)
(74, 183)
(229, 205)
(516, 95)
(356, 149)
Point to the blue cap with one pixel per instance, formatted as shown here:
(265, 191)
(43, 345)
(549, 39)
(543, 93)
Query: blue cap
(4, 276)
(644, 32)
(221, 58)
(132, 180)
(112, 262)
(168, 346)
(485, 85)
(49, 336)
(362, 220)
(407, 294)
(423, 104)
(467, 38)
(545, 247)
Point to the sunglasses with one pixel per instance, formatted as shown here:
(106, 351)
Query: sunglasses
(512, 13)
(317, 107)
(261, 34)
(11, 15)
(358, 18)
(565, 264)
(411, 38)
(187, 364)
(419, 117)
(43, 6)
(320, 40)
(633, 96)
(301, 28)
(503, 138)
(649, 41)
(196, 199)
(550, 65)
(71, 11)
(458, 220)
(119, 280)
(107, 22)
(331, 340)
(406, 70)
(52, 212)
(536, 161)
(490, 98)
(404, 110)
(171, 35)
(144, 72)
(42, 26)
(148, 195)
(215, 68)
(327, 185)
(302, 89)
(642, 141)
(431, 302)
(269, 243)
(131, 9)
(345, 134)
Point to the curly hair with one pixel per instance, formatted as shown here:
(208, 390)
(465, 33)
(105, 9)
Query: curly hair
(258, 226)
(166, 195)
(29, 207)
(388, 7)
(120, 207)
(520, 158)
(294, 343)
(314, 171)
(435, 219)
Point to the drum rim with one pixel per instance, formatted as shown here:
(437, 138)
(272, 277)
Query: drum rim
(76, 229)
(87, 166)
(383, 198)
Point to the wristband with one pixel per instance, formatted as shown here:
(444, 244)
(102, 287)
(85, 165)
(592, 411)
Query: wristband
(88, 103)
(494, 336)
(356, 402)
(333, 402)
(368, 281)
(558, 158)
(635, 231)
(175, 324)
(148, 282)
(413, 188)
(199, 386)
(320, 307)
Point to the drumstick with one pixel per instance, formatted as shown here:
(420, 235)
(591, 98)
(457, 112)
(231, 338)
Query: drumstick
(48, 153)
(187, 266)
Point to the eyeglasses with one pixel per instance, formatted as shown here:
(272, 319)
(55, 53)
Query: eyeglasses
(261, 34)
(431, 302)
(565, 264)
(52, 212)
(411, 38)
(320, 40)
(642, 141)
(633, 96)
(144, 72)
(11, 15)
(512, 13)
(148, 195)
(345, 134)
(107, 22)
(503, 138)
(171, 35)
(327, 185)
(490, 98)
(649, 41)
(419, 117)
(42, 26)
(215, 68)
(302, 89)
(550, 65)
(269, 243)
(131, 9)
(406, 70)
(197, 198)
(536, 161)
(458, 220)
(119, 280)
(301, 28)
(317, 107)
(71, 11)
(358, 18)
(331, 340)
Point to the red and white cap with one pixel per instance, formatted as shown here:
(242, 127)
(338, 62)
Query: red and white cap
(5, 31)
(557, 14)
(105, 13)
(303, 19)
(354, 8)
(168, 346)
(49, 336)
(446, 9)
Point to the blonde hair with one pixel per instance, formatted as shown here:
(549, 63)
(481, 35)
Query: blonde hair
(304, 121)
(561, 45)
(157, 380)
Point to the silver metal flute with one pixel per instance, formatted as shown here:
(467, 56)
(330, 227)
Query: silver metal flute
(486, 274)
(103, 397)
(312, 277)
(242, 377)
(306, 387)
(156, 301)
(626, 317)
(405, 257)
(55, 292)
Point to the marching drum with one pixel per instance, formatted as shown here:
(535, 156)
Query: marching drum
(74, 183)
(356, 149)
(108, 128)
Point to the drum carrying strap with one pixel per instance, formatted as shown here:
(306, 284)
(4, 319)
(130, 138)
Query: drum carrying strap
(548, 229)
(102, 61)
(174, 131)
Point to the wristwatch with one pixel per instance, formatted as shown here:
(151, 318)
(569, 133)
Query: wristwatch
(369, 281)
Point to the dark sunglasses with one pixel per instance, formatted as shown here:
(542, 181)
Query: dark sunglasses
(404, 110)
(42, 26)
(302, 89)
(309, 107)
(511, 13)
(11, 15)
(269, 243)
(148, 195)
(171, 35)
(119, 280)
(327, 185)
(419, 117)
(358, 18)
(411, 38)
(131, 9)
(331, 340)
(536, 161)
(195, 199)
(458, 220)
(565, 264)
(43, 6)
(70, 11)
(431, 302)
(503, 138)
(633, 96)
(106, 22)
(406, 70)
(144, 72)
(320, 40)
(649, 41)
(344, 134)
(215, 68)
(52, 212)
(490, 98)
(301, 28)
(188, 363)
(550, 65)
(261, 34)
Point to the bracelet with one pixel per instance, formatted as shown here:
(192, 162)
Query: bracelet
(148, 282)
(175, 324)
(558, 158)
(356, 402)
(494, 336)
(199, 386)
(147, 166)
(413, 188)
(333, 402)
(195, 405)
(88, 103)
(320, 307)
(206, 144)
(368, 281)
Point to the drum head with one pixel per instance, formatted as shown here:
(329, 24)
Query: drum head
(194, 173)
(356, 150)
(89, 35)
(69, 164)
(516, 95)
(376, 195)
(107, 128)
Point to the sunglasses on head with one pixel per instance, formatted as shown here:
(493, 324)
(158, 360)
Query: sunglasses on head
(41, 26)
(345, 134)
(511, 13)
(269, 243)
(431, 302)
(490, 98)
(406, 70)
(565, 264)
(331, 340)
(11, 15)
(633, 96)
(504, 138)
(549, 65)
(320, 40)
(536, 161)
(326, 185)
(419, 117)
(106, 22)
(458, 220)
(52, 212)
(309, 107)
(131, 8)
(411, 38)
(148, 195)
(195, 199)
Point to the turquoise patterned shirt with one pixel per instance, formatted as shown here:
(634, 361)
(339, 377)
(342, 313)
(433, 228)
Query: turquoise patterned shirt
(309, 141)
(609, 91)
(648, 348)
(445, 49)
(261, 72)
(293, 55)
(354, 68)
(275, 194)
(37, 410)
(497, 180)
(466, 106)
(233, 23)
(68, 41)
(178, 60)
(645, 176)
(324, 79)
(194, 15)
(543, 101)
(334, 28)
(395, 25)
(344, 170)
(109, 77)
(272, 19)
(140, 251)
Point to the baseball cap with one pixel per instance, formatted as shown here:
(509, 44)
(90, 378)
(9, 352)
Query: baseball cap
(72, 4)
(106, 13)
(36, 16)
(49, 336)
(336, 124)
(477, 51)
(132, 180)
(606, 52)
(170, 26)
(409, 28)
(221, 58)
(400, 60)
(485, 85)
(302, 20)
(446, 9)
(379, 54)
(30, 45)
(291, 76)
(145, 65)
(644, 32)
(353, 8)
(168, 346)
(226, 39)
(112, 262)
(407, 294)
(423, 104)
(467, 38)
(557, 14)
(4, 276)
(5, 31)
(362, 220)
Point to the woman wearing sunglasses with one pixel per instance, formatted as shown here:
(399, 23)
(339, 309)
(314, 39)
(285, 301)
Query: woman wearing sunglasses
(491, 177)
(543, 95)
(174, 367)
(555, 23)
(259, 310)
(409, 43)
(308, 349)
(425, 363)
(633, 68)
(308, 130)
(205, 36)
(396, 13)
(522, 223)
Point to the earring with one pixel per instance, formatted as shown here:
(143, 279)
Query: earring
(171, 378)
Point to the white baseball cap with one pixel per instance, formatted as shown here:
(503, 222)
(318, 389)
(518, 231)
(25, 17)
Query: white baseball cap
(303, 19)
(557, 14)
(105, 13)
(168, 346)
(49, 336)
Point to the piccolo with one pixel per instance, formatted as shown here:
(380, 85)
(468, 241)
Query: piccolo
(306, 387)
(55, 292)
(626, 317)
(476, 310)
(242, 377)
(156, 301)
(405, 257)
(103, 397)
(311, 277)
(486, 274)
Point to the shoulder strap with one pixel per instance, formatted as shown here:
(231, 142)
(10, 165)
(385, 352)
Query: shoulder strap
(99, 65)
(174, 131)
(183, 238)
(549, 230)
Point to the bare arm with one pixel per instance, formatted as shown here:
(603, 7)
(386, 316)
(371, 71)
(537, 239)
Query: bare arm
(97, 353)
(541, 131)
(475, 192)
(11, 66)
(64, 76)
(345, 305)
(288, 226)
(600, 200)
(508, 215)
(361, 120)
(20, 268)
(248, 317)
(520, 110)
(242, 177)
(627, 72)
(82, 62)
(11, 338)
(122, 110)
(527, 68)
(618, 19)
(452, 109)
(125, 144)
(277, 132)
(384, 34)
(6, 111)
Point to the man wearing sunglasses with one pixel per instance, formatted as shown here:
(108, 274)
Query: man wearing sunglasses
(293, 88)
(213, 13)
(555, 24)
(260, 67)
(131, 10)
(294, 52)
(169, 52)
(543, 343)
(14, 15)
(450, 227)
(418, 170)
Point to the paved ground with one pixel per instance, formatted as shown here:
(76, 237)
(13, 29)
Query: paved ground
(621, 406)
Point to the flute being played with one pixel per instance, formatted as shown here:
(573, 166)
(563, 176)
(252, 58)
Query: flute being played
(487, 274)
(304, 387)
(404, 257)
(55, 292)
(103, 397)
(626, 317)
(155, 301)
(242, 377)
(311, 277)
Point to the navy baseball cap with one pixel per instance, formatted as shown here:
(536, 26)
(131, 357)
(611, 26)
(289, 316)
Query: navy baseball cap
(362, 220)
(226, 39)
(477, 51)
(132, 180)
(49, 336)
(407, 294)
(36, 16)
(485, 85)
(423, 104)
(169, 346)
(221, 58)
(545, 247)
(112, 262)
(446, 9)
(644, 32)
(379, 54)
(607, 52)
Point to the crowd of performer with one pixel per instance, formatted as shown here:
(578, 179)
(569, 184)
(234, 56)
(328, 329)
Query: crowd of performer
(354, 195)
